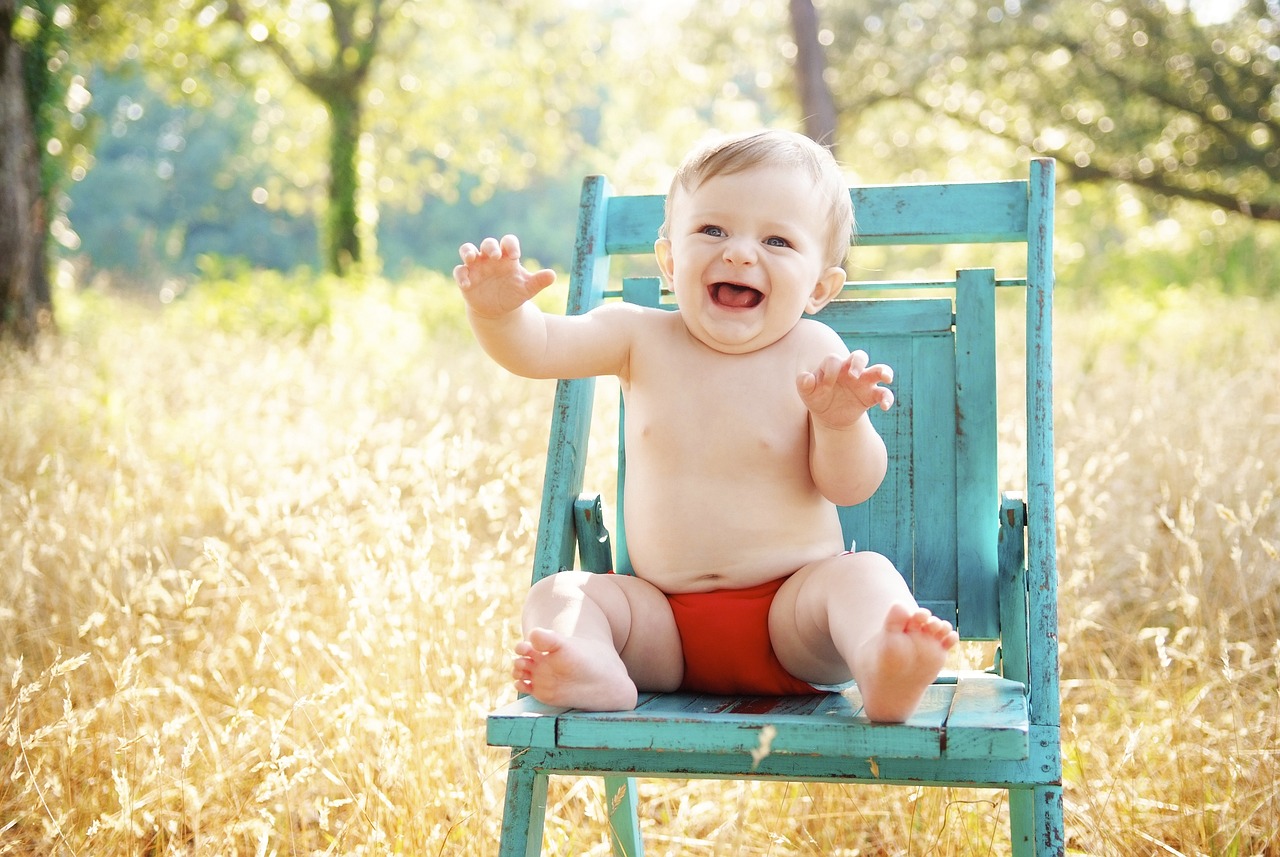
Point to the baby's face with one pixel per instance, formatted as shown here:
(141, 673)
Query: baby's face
(746, 257)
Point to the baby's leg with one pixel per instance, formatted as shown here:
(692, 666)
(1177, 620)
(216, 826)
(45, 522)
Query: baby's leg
(592, 639)
(854, 616)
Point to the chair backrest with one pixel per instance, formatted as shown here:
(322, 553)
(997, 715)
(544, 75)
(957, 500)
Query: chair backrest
(936, 514)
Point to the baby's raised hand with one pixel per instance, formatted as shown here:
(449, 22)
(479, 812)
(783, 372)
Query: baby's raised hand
(493, 281)
(842, 390)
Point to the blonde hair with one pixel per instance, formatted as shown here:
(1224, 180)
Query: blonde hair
(773, 148)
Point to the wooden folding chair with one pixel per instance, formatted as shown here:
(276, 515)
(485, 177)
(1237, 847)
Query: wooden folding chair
(979, 558)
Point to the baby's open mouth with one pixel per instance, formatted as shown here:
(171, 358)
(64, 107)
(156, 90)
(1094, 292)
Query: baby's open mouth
(735, 296)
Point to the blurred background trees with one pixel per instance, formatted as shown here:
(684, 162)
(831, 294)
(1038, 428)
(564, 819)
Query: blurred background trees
(375, 135)
(23, 283)
(1181, 102)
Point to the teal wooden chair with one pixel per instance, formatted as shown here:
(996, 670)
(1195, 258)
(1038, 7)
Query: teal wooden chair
(980, 558)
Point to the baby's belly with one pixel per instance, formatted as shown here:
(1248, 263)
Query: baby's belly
(692, 550)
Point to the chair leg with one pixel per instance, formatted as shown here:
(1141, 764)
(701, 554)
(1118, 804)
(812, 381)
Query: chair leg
(524, 812)
(1035, 821)
(624, 820)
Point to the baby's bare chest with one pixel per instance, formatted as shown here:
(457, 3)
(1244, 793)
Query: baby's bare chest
(733, 408)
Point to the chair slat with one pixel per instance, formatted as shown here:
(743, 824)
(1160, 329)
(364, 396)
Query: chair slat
(977, 486)
(933, 474)
(523, 723)
(714, 725)
(858, 319)
(959, 213)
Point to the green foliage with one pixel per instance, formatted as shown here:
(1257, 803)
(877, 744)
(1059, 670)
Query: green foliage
(1119, 241)
(1146, 92)
(43, 33)
(235, 169)
(1174, 97)
(1240, 264)
(233, 298)
(236, 299)
(172, 183)
(543, 215)
(365, 100)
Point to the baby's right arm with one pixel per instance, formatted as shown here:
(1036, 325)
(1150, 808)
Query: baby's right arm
(522, 338)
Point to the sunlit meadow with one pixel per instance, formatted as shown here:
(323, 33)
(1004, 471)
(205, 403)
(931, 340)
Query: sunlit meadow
(259, 581)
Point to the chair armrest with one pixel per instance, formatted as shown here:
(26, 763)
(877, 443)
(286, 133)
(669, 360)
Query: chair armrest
(594, 549)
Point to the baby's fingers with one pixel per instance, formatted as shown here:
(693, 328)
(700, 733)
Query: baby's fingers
(474, 258)
(885, 372)
(806, 383)
(881, 373)
(876, 376)
(510, 247)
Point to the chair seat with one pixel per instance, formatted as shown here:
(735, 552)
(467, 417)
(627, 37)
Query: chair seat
(970, 716)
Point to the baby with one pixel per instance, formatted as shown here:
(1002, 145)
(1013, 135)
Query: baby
(746, 426)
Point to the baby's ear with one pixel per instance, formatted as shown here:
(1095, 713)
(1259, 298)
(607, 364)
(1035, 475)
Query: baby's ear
(662, 250)
(828, 287)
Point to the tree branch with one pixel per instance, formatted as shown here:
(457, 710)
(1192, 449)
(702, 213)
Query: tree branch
(1159, 181)
(236, 14)
(1169, 98)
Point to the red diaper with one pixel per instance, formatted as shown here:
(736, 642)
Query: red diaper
(725, 636)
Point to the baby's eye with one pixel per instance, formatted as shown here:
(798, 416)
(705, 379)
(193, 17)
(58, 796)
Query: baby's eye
(776, 241)
(712, 230)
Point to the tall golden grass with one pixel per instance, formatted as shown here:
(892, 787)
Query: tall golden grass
(258, 593)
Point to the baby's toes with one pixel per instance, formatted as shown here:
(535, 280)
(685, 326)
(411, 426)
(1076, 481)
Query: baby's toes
(942, 631)
(898, 619)
(919, 621)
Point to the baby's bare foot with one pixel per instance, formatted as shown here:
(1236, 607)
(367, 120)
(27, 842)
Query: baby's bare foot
(897, 665)
(572, 673)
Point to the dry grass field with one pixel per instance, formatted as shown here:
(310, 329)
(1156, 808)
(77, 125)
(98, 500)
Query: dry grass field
(257, 592)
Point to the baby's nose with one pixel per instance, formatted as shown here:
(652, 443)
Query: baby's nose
(741, 251)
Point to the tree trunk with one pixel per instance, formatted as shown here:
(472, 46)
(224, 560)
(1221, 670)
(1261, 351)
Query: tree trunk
(20, 220)
(811, 64)
(342, 242)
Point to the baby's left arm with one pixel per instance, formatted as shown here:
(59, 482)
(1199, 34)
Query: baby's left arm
(847, 456)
